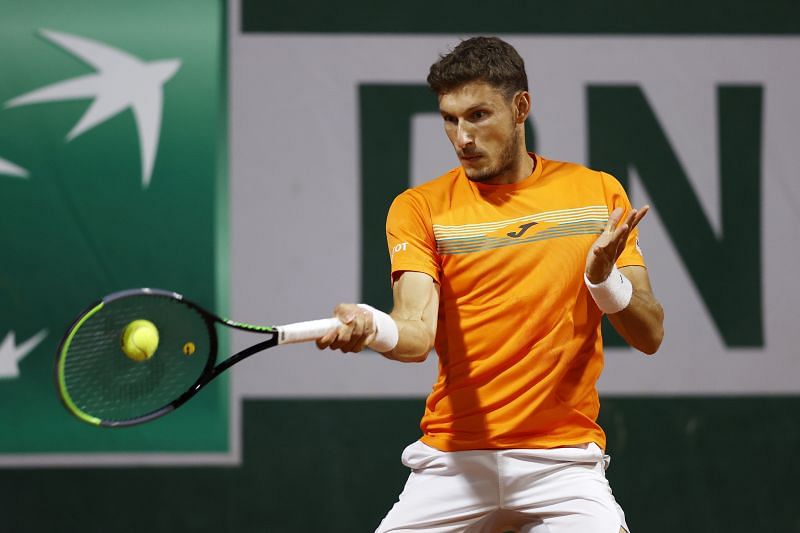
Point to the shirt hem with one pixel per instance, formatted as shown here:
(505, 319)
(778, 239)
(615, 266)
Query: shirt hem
(449, 445)
(415, 267)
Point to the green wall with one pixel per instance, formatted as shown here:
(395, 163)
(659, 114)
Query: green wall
(688, 464)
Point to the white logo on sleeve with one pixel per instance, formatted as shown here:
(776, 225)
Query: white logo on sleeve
(399, 248)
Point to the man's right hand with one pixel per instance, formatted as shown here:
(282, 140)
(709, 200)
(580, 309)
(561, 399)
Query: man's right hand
(356, 332)
(416, 308)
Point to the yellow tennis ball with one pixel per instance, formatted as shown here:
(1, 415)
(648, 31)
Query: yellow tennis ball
(140, 340)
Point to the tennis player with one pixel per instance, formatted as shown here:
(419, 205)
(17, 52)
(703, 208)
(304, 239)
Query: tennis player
(506, 265)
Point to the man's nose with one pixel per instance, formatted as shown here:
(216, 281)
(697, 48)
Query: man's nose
(464, 135)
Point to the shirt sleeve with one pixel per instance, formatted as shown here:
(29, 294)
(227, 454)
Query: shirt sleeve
(409, 234)
(616, 197)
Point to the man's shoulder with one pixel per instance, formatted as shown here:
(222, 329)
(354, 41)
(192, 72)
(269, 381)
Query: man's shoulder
(437, 185)
(575, 173)
(552, 167)
(422, 201)
(432, 191)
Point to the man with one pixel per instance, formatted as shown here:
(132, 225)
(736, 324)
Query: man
(506, 265)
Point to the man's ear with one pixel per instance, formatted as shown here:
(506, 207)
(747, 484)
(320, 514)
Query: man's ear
(522, 106)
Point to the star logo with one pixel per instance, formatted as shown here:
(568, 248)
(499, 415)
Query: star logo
(10, 169)
(11, 354)
(121, 81)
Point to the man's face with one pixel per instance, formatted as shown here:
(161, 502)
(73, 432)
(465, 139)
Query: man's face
(479, 120)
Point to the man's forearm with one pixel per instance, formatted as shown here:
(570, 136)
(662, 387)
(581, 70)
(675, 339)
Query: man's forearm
(414, 343)
(641, 323)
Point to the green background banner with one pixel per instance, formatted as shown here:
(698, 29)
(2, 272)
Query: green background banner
(82, 223)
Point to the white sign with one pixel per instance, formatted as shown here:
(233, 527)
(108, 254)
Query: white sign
(295, 187)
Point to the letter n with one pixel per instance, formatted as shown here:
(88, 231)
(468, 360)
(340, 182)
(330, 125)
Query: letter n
(624, 133)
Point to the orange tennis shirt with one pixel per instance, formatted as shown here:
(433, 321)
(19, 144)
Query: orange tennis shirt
(518, 334)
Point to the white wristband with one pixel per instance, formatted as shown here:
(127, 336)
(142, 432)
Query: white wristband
(612, 295)
(386, 334)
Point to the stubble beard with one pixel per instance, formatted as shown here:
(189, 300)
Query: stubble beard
(506, 163)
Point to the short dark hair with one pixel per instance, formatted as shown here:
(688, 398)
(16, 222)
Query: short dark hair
(486, 59)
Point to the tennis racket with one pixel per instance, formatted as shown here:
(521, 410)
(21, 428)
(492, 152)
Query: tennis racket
(99, 384)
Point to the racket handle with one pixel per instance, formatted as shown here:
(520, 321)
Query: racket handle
(306, 331)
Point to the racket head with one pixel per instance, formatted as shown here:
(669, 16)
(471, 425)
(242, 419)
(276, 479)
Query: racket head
(102, 386)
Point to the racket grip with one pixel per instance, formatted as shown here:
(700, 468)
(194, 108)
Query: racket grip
(306, 331)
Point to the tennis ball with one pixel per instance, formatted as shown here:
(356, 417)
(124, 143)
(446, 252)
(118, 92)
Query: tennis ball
(140, 340)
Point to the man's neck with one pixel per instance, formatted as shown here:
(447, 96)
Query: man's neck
(523, 167)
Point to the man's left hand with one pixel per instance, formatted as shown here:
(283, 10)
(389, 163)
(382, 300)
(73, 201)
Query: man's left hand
(609, 245)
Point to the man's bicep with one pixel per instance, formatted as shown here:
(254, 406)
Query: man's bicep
(416, 298)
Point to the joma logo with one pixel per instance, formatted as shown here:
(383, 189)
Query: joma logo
(522, 229)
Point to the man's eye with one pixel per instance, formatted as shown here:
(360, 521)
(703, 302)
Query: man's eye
(477, 115)
(451, 120)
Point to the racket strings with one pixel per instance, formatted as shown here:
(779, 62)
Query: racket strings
(103, 382)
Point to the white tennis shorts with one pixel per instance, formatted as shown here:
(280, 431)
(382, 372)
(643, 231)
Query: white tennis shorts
(560, 490)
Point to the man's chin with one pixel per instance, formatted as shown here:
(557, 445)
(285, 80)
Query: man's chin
(478, 175)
